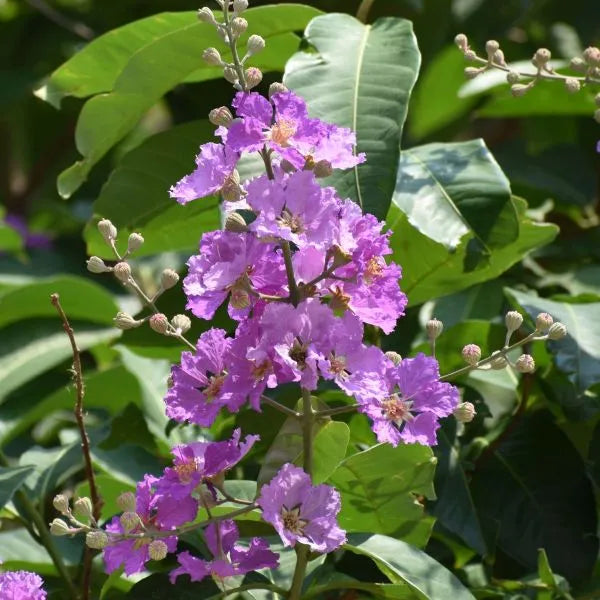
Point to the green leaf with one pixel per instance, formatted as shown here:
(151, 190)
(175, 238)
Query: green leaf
(11, 480)
(578, 354)
(32, 347)
(361, 78)
(10, 240)
(80, 299)
(144, 176)
(403, 563)
(534, 487)
(110, 489)
(378, 488)
(158, 587)
(450, 190)
(442, 78)
(155, 68)
(430, 270)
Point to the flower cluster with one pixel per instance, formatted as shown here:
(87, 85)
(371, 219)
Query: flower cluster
(21, 585)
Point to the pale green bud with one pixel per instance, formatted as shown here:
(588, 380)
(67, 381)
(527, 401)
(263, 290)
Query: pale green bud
(212, 57)
(235, 222)
(207, 16)
(498, 361)
(97, 540)
(59, 528)
(230, 74)
(159, 323)
(394, 357)
(557, 331)
(126, 501)
(95, 264)
(107, 230)
(157, 550)
(471, 354)
(253, 76)
(525, 364)
(464, 412)
(512, 77)
(83, 506)
(513, 320)
(543, 322)
(168, 279)
(61, 504)
(461, 41)
(125, 321)
(255, 44)
(434, 328)
(277, 88)
(122, 271)
(134, 242)
(238, 26)
(129, 521)
(572, 85)
(181, 323)
(221, 117)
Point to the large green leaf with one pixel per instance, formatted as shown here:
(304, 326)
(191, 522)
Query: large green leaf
(169, 58)
(578, 354)
(143, 176)
(403, 563)
(378, 488)
(31, 347)
(361, 78)
(533, 486)
(450, 190)
(430, 270)
(80, 299)
(11, 480)
(10, 240)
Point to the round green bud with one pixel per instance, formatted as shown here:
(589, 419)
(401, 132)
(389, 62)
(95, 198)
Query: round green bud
(107, 230)
(61, 504)
(134, 242)
(168, 279)
(83, 506)
(159, 323)
(253, 76)
(498, 361)
(512, 77)
(394, 357)
(97, 540)
(95, 264)
(471, 354)
(157, 550)
(464, 412)
(572, 85)
(255, 44)
(122, 271)
(434, 328)
(181, 323)
(525, 364)
(513, 320)
(557, 331)
(543, 322)
(127, 502)
(59, 528)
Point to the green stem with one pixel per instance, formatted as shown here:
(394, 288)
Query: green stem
(363, 10)
(280, 407)
(289, 269)
(44, 534)
(336, 411)
(239, 68)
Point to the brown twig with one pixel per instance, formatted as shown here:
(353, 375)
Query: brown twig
(85, 440)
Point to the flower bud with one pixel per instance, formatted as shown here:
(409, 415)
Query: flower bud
(97, 540)
(122, 271)
(434, 328)
(83, 507)
(557, 331)
(470, 55)
(543, 322)
(59, 528)
(461, 41)
(239, 6)
(512, 77)
(471, 354)
(498, 58)
(591, 56)
(129, 521)
(597, 99)
(126, 501)
(578, 64)
(61, 504)
(572, 85)
(221, 117)
(206, 15)
(230, 74)
(253, 76)
(472, 72)
(277, 88)
(231, 189)
(498, 361)
(255, 44)
(157, 550)
(95, 264)
(212, 57)
(168, 279)
(541, 57)
(159, 323)
(597, 115)
(240, 298)
(107, 230)
(464, 412)
(238, 26)
(181, 323)
(134, 242)
(235, 222)
(513, 320)
(519, 89)
(322, 168)
(394, 357)
(125, 321)
(491, 46)
(525, 364)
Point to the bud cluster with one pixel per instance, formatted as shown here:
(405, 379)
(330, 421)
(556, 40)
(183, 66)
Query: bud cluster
(588, 64)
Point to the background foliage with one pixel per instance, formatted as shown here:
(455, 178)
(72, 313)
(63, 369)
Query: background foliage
(451, 180)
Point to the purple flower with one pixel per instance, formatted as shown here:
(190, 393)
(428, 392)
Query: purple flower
(197, 393)
(214, 169)
(21, 585)
(132, 554)
(30, 239)
(236, 264)
(193, 465)
(410, 403)
(231, 559)
(294, 208)
(301, 512)
(285, 127)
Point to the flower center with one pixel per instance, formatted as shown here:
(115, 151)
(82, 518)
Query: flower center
(186, 470)
(339, 299)
(292, 521)
(294, 222)
(337, 364)
(215, 383)
(374, 269)
(396, 409)
(260, 370)
(298, 353)
(281, 132)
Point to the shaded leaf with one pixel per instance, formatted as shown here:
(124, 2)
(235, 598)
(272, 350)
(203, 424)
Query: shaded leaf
(11, 479)
(361, 78)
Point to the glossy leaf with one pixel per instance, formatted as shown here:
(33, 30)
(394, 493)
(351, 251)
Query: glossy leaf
(361, 78)
(11, 479)
(402, 563)
(144, 176)
(430, 270)
(450, 190)
(529, 485)
(166, 60)
(578, 354)
(378, 488)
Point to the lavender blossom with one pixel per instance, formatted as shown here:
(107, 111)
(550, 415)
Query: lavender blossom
(21, 585)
